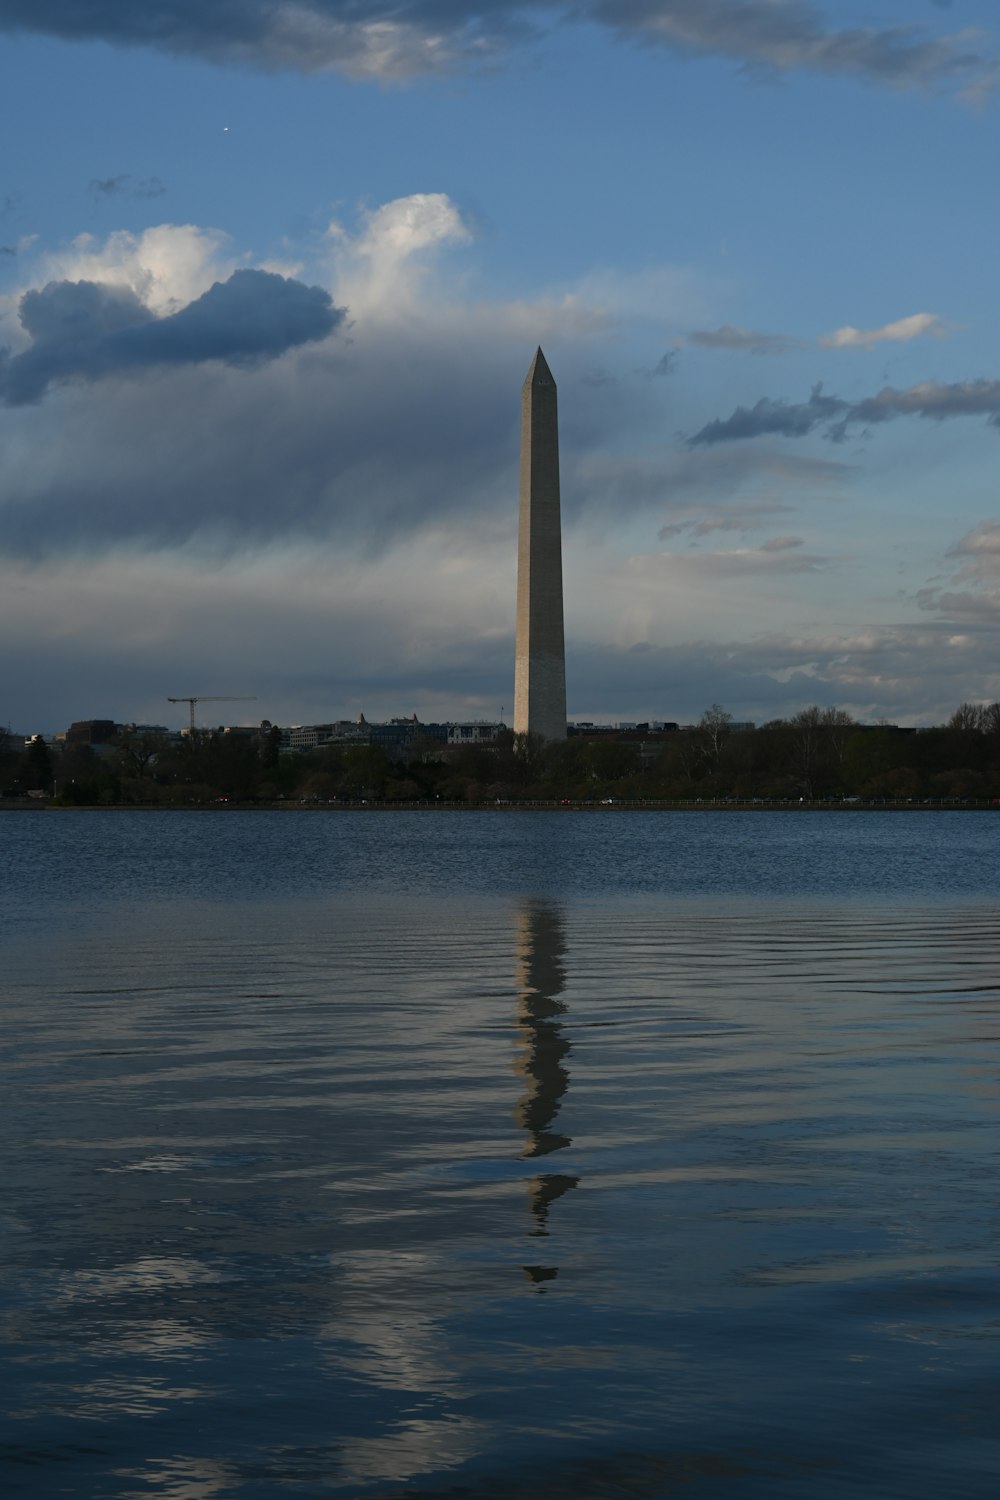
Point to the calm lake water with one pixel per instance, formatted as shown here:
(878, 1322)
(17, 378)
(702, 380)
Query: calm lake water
(500, 1155)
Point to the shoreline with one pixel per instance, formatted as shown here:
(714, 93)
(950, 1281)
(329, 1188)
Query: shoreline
(700, 805)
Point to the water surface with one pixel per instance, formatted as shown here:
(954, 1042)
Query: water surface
(499, 1155)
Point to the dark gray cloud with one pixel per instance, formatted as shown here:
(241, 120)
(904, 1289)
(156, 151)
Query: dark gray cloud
(786, 35)
(668, 364)
(772, 419)
(87, 330)
(124, 186)
(393, 38)
(835, 417)
(389, 38)
(743, 340)
(965, 398)
(350, 441)
(79, 313)
(350, 444)
(969, 608)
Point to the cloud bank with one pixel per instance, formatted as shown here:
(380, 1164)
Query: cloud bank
(385, 40)
(88, 330)
(787, 35)
(138, 427)
(314, 637)
(341, 524)
(835, 418)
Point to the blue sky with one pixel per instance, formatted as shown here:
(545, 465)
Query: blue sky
(271, 277)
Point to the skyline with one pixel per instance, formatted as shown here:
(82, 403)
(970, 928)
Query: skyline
(268, 292)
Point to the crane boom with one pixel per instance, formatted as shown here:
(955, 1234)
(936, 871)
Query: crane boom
(211, 698)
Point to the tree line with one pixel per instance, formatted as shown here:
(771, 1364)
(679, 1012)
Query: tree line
(817, 754)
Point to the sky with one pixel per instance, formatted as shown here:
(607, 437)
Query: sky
(271, 275)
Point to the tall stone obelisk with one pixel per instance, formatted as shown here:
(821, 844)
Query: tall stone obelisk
(540, 659)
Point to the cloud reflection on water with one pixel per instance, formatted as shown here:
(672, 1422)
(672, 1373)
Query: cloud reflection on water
(271, 1188)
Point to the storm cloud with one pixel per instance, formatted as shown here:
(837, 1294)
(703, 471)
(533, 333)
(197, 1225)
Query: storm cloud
(376, 38)
(88, 330)
(407, 427)
(349, 444)
(835, 418)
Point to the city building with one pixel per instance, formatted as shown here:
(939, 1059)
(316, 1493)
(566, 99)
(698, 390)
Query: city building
(91, 732)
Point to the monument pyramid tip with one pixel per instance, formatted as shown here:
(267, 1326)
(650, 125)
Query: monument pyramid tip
(539, 373)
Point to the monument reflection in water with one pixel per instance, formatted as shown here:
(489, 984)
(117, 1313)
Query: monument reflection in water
(541, 980)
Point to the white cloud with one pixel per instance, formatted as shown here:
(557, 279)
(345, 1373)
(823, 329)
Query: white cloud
(916, 326)
(405, 225)
(166, 266)
(383, 269)
(382, 49)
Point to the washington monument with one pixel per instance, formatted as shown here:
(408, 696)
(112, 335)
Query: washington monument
(540, 658)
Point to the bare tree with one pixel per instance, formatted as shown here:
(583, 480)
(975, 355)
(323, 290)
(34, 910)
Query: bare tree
(969, 718)
(137, 750)
(713, 728)
(820, 738)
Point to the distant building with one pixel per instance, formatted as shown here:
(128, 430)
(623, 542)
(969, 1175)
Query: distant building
(397, 737)
(887, 728)
(478, 733)
(583, 729)
(243, 731)
(91, 732)
(343, 732)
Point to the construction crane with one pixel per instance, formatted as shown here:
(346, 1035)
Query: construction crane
(209, 698)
